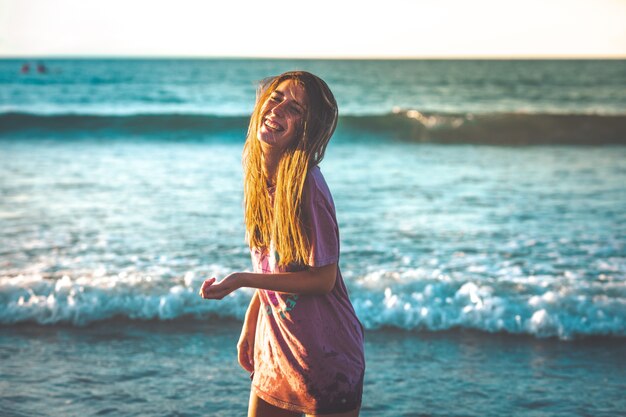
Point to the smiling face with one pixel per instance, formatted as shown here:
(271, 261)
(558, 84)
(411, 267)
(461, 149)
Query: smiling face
(282, 115)
(294, 116)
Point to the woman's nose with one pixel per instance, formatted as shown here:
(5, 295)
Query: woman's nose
(278, 109)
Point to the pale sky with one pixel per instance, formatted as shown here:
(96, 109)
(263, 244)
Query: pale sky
(315, 28)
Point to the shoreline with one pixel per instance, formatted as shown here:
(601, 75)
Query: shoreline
(186, 324)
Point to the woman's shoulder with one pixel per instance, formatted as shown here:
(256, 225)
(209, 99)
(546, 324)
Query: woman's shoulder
(316, 180)
(317, 186)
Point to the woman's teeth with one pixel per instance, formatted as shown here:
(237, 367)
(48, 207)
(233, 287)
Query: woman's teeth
(272, 125)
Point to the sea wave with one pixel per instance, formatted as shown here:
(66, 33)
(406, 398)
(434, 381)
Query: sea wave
(536, 306)
(401, 124)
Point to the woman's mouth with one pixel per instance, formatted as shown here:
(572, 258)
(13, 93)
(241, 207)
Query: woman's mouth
(273, 126)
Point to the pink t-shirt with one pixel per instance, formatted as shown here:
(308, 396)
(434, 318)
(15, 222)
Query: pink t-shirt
(308, 354)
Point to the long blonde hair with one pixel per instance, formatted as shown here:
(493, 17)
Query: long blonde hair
(283, 222)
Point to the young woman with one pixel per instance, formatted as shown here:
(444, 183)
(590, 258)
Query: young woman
(301, 339)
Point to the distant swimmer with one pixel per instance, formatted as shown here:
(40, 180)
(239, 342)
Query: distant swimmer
(41, 68)
(25, 68)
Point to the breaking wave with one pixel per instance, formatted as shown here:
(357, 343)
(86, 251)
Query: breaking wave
(536, 306)
(401, 124)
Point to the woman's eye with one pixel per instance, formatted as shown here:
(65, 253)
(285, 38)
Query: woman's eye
(274, 98)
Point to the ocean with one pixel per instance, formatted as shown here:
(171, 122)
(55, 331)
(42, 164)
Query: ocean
(482, 213)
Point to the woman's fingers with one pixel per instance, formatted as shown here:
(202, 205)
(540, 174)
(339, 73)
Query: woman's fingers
(245, 363)
(206, 284)
(218, 290)
(244, 357)
(251, 357)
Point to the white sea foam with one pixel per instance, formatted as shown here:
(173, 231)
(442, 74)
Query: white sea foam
(411, 300)
(87, 299)
(495, 305)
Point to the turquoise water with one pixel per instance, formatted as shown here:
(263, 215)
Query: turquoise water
(186, 368)
(523, 240)
(490, 275)
(225, 87)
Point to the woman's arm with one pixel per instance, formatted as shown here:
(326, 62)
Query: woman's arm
(253, 309)
(315, 280)
(245, 346)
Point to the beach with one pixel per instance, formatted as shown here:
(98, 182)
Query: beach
(482, 219)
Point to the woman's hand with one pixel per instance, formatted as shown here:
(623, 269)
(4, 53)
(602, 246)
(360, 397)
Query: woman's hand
(245, 346)
(217, 291)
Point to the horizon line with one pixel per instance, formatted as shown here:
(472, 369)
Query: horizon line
(322, 57)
